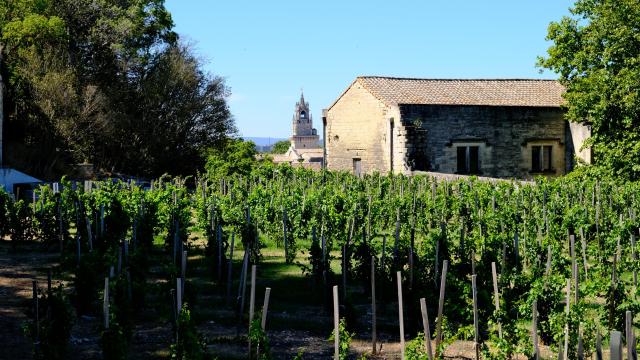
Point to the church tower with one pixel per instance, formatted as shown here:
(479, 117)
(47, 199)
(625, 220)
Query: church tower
(304, 136)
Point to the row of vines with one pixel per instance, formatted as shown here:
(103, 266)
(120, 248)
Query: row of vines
(538, 235)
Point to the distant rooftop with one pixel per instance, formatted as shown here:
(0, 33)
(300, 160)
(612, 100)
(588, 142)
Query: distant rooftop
(487, 92)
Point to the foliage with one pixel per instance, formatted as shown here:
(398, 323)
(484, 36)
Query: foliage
(258, 337)
(189, 345)
(56, 321)
(235, 157)
(280, 147)
(344, 340)
(595, 53)
(114, 342)
(107, 83)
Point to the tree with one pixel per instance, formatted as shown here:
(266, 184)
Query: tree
(280, 147)
(596, 52)
(235, 157)
(106, 82)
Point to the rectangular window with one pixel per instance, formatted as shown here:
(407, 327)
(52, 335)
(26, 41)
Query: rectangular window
(468, 160)
(541, 158)
(357, 167)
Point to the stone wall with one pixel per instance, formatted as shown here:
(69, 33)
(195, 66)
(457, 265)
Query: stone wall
(358, 127)
(504, 135)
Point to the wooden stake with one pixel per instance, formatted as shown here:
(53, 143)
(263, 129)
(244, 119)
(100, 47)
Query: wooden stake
(574, 268)
(183, 271)
(230, 268)
(584, 252)
(534, 329)
(373, 305)
(629, 334)
(105, 303)
(179, 292)
(400, 313)
(443, 282)
(566, 326)
(36, 312)
(252, 301)
(336, 324)
(615, 345)
(599, 346)
(265, 308)
(633, 259)
(425, 326)
(496, 295)
(476, 331)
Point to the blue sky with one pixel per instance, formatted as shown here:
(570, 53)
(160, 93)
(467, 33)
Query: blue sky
(269, 50)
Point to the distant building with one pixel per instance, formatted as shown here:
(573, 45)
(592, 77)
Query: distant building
(305, 147)
(494, 128)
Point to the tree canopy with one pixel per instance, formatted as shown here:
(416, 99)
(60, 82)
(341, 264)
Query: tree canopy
(106, 82)
(596, 52)
(280, 147)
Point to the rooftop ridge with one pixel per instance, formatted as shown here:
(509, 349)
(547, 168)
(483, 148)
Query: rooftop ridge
(450, 79)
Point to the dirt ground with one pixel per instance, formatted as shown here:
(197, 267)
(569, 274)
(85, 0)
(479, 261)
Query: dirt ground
(289, 331)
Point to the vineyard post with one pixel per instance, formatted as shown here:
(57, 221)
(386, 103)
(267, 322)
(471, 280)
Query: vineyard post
(242, 291)
(443, 282)
(566, 325)
(101, 221)
(119, 263)
(373, 304)
(574, 266)
(179, 296)
(36, 313)
(89, 233)
(61, 221)
(633, 259)
(580, 350)
(400, 313)
(629, 336)
(336, 324)
(615, 345)
(183, 267)
(516, 248)
(265, 308)
(77, 248)
(49, 282)
(219, 241)
(397, 240)
(230, 268)
(584, 252)
(425, 325)
(496, 295)
(284, 231)
(534, 329)
(547, 269)
(476, 330)
(252, 302)
(598, 346)
(105, 303)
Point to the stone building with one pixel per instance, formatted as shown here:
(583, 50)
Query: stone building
(305, 147)
(494, 128)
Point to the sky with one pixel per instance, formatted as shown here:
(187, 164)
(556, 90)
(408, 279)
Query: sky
(270, 51)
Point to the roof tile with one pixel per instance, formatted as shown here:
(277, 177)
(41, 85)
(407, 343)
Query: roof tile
(491, 92)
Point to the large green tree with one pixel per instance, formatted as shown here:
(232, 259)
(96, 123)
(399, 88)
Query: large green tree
(596, 52)
(106, 82)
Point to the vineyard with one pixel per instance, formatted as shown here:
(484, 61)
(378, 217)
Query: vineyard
(270, 265)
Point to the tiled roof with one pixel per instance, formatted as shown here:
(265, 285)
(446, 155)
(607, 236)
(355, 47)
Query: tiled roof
(490, 92)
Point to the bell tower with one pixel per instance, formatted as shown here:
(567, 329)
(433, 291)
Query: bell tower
(303, 134)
